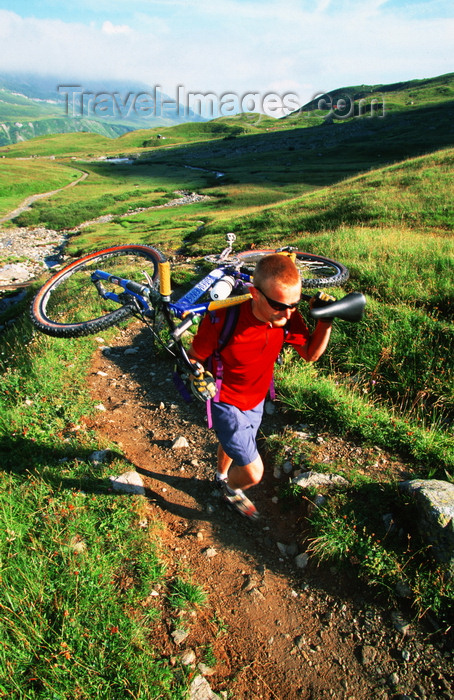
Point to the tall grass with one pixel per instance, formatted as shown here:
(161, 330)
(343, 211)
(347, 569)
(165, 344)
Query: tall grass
(332, 403)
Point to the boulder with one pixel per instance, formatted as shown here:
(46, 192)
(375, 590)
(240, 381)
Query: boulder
(435, 520)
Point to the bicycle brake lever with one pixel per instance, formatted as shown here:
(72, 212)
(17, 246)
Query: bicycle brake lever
(179, 330)
(148, 278)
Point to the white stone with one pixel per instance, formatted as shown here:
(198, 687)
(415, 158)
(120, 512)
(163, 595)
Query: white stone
(179, 636)
(179, 442)
(188, 657)
(200, 690)
(435, 518)
(99, 456)
(129, 482)
(310, 478)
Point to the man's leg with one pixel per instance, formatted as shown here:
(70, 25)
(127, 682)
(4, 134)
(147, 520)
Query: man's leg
(239, 477)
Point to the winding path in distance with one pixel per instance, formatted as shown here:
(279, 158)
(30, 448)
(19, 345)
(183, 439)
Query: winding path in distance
(26, 204)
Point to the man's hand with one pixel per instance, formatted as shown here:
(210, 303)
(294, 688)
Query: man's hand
(203, 386)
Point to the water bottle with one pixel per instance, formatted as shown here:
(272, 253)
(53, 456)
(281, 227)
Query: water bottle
(222, 288)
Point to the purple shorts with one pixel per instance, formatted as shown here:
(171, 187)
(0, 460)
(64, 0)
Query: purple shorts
(236, 430)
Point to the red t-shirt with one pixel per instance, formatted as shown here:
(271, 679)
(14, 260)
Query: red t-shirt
(249, 356)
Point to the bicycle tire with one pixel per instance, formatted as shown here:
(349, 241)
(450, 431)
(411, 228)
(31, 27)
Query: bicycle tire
(329, 272)
(61, 306)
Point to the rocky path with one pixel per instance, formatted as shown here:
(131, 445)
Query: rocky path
(276, 630)
(26, 252)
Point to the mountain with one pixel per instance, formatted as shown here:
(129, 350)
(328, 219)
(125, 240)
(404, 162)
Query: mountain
(32, 105)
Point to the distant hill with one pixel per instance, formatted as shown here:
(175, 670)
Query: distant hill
(357, 100)
(32, 106)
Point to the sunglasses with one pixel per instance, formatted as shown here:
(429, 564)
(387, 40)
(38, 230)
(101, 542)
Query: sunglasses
(278, 305)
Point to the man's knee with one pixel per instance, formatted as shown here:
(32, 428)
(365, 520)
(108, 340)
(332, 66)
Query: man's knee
(255, 470)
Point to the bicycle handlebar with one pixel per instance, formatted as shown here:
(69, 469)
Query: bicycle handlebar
(349, 308)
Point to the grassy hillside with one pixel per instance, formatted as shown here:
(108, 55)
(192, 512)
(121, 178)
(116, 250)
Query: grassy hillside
(375, 194)
(33, 106)
(393, 97)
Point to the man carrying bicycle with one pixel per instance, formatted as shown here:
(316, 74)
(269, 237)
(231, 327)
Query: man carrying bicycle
(266, 321)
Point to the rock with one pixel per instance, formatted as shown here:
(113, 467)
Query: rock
(393, 679)
(129, 482)
(99, 456)
(292, 549)
(368, 654)
(399, 623)
(402, 589)
(287, 467)
(179, 443)
(205, 670)
(270, 408)
(200, 690)
(314, 479)
(179, 635)
(210, 552)
(131, 351)
(435, 520)
(188, 657)
(302, 560)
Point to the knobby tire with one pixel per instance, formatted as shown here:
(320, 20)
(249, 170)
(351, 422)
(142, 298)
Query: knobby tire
(316, 270)
(59, 307)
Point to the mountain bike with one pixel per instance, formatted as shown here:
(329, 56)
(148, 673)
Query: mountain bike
(103, 288)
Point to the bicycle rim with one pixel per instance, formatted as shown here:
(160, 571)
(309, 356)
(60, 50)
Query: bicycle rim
(316, 271)
(69, 305)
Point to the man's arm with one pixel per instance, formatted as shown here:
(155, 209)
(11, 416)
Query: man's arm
(317, 343)
(193, 355)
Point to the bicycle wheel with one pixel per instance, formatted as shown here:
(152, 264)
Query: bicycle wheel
(69, 305)
(316, 271)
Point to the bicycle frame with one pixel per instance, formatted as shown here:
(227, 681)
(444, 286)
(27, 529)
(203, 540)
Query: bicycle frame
(182, 308)
(185, 308)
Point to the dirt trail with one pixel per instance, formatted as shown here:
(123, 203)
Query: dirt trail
(277, 632)
(26, 204)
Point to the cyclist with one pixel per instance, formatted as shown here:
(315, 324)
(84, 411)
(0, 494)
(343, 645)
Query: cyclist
(265, 322)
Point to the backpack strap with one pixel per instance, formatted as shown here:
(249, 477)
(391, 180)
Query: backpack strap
(228, 328)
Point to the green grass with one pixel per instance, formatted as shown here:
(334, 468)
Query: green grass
(109, 189)
(21, 179)
(79, 144)
(76, 568)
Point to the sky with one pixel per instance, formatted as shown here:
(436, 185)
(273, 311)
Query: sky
(277, 48)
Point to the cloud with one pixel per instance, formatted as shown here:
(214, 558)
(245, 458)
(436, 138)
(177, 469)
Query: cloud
(109, 28)
(235, 46)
